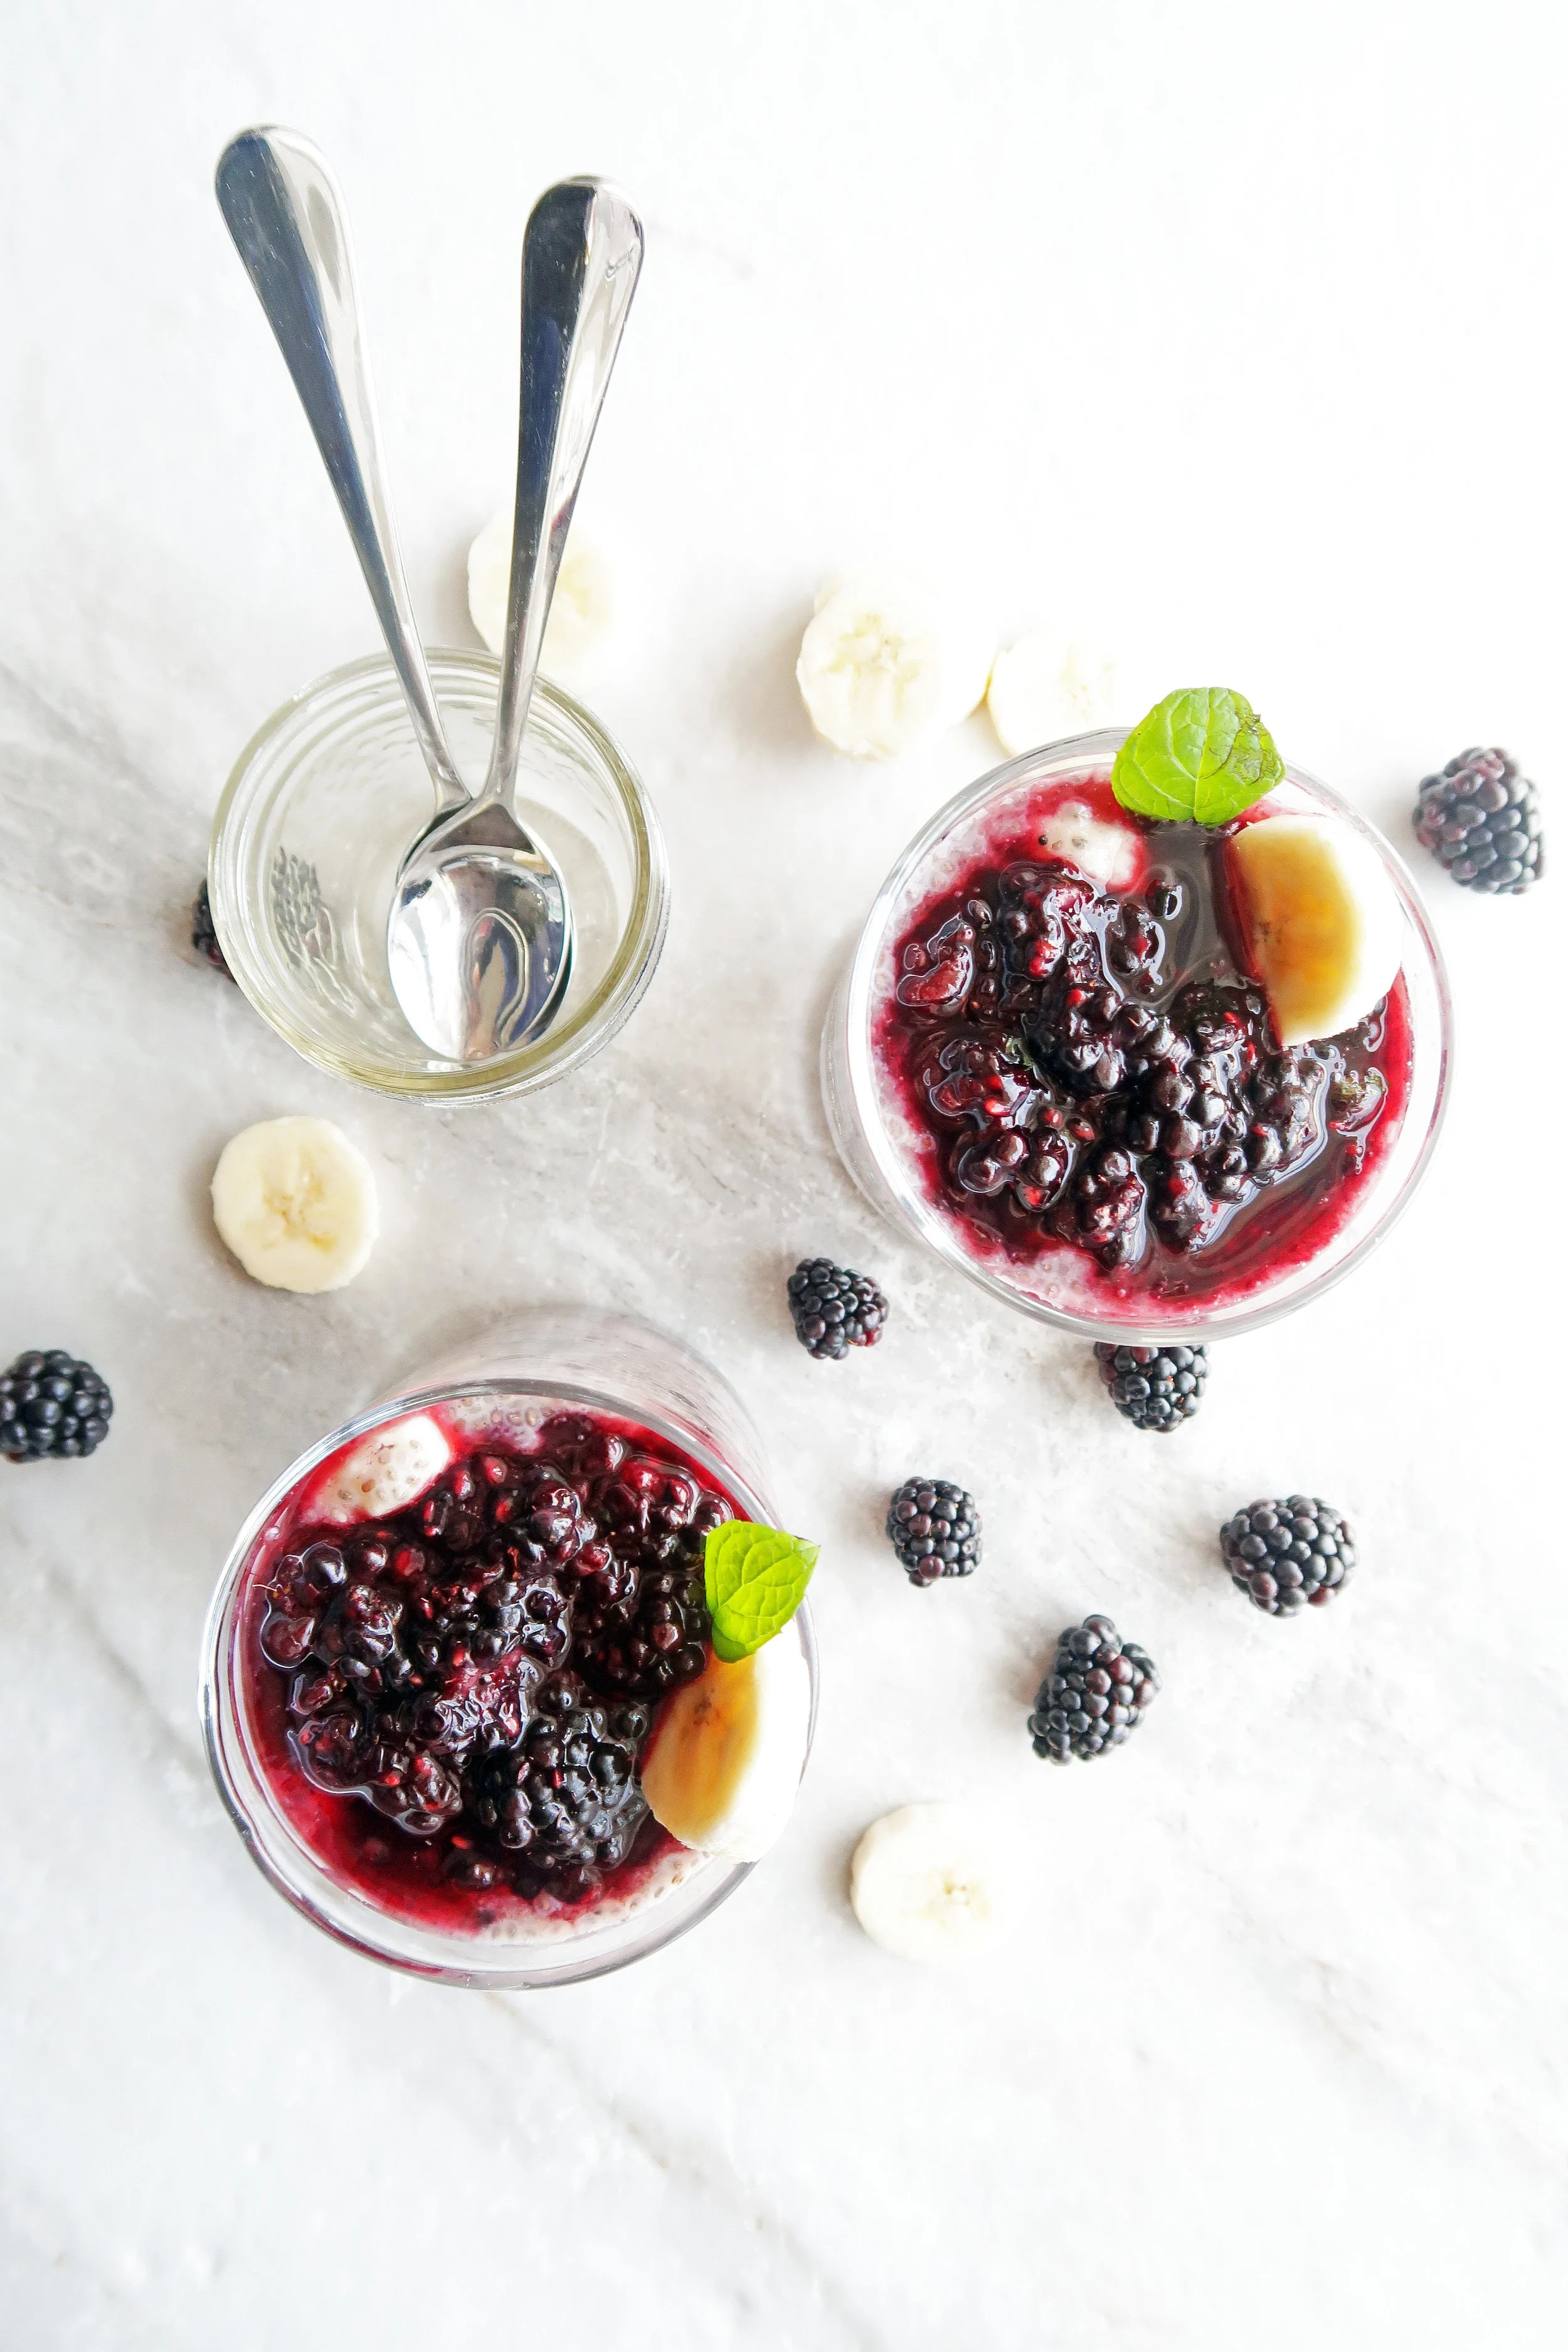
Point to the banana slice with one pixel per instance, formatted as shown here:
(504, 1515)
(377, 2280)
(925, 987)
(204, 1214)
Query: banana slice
(580, 610)
(923, 1884)
(384, 1472)
(886, 659)
(730, 1747)
(1321, 922)
(295, 1201)
(1046, 686)
(1111, 854)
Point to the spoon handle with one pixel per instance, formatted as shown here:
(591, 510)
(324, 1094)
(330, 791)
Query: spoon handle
(286, 214)
(581, 252)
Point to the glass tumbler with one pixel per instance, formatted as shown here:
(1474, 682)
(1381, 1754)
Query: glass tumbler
(509, 1381)
(866, 1123)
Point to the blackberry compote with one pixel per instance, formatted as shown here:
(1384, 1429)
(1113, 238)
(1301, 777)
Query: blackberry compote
(1084, 1078)
(454, 1697)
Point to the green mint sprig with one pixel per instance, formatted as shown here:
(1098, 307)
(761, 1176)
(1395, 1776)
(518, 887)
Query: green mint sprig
(1204, 752)
(754, 1580)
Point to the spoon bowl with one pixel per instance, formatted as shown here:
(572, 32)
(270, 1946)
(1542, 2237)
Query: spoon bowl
(479, 940)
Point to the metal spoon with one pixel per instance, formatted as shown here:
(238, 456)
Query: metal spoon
(478, 940)
(286, 214)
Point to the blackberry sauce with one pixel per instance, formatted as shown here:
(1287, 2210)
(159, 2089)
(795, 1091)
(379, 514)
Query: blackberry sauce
(451, 1704)
(1092, 1069)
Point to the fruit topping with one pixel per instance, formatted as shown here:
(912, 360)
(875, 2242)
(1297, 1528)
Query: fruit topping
(52, 1406)
(645, 1644)
(295, 1201)
(726, 1758)
(1075, 1085)
(886, 659)
(563, 1803)
(1482, 819)
(481, 1664)
(1155, 1387)
(923, 1883)
(642, 1619)
(1286, 1554)
(730, 1747)
(1097, 1692)
(934, 1528)
(834, 1309)
(1320, 923)
(1108, 853)
(204, 933)
(384, 1472)
(1044, 687)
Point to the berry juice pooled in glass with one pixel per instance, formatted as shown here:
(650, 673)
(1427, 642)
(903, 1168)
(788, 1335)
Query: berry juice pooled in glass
(457, 1649)
(1080, 1062)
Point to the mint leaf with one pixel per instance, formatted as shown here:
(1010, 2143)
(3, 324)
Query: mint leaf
(754, 1580)
(1202, 752)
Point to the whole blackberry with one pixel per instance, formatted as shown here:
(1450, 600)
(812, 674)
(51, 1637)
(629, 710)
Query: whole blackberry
(835, 1309)
(1095, 1693)
(566, 1801)
(645, 1644)
(52, 1406)
(1482, 819)
(1285, 1554)
(1155, 1387)
(934, 1528)
(204, 933)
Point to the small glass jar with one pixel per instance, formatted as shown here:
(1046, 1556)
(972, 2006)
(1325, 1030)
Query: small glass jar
(512, 1381)
(324, 803)
(871, 1150)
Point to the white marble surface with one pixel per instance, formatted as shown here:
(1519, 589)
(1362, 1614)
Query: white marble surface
(1232, 333)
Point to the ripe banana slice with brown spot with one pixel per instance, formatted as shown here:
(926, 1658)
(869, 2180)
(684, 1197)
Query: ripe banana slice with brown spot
(1321, 922)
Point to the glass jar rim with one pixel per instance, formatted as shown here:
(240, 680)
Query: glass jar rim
(563, 1047)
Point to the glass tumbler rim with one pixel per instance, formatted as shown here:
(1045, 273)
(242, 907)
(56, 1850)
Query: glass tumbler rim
(276, 1847)
(899, 1197)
